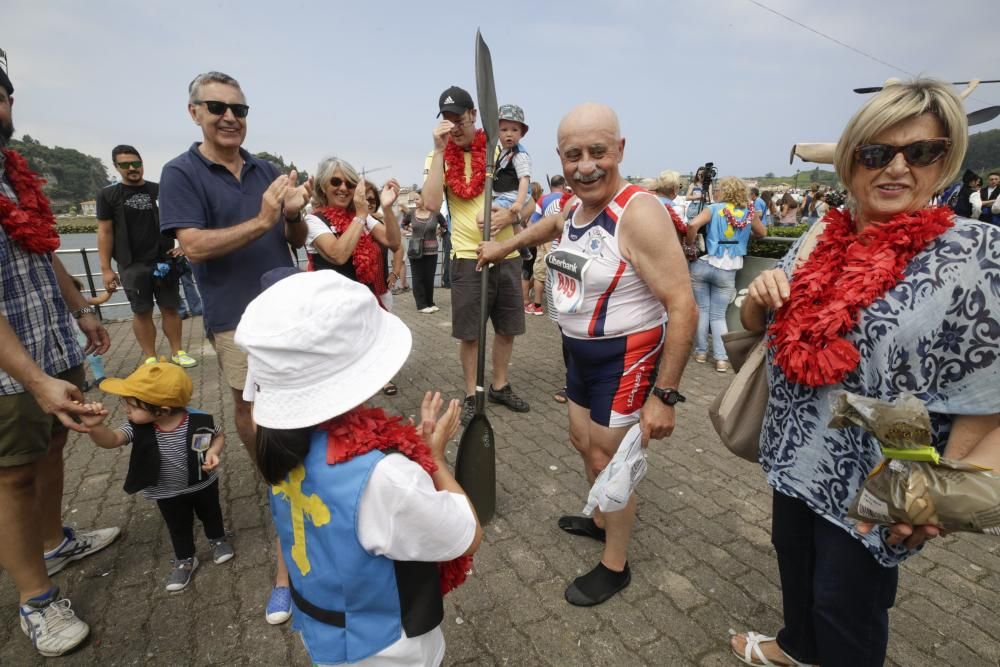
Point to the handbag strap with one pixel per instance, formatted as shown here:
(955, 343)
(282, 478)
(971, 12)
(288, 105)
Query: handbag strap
(808, 244)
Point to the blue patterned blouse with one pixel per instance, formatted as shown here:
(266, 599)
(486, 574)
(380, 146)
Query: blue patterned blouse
(936, 334)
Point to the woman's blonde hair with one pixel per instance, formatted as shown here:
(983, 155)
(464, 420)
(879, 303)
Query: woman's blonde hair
(667, 182)
(900, 101)
(324, 172)
(734, 191)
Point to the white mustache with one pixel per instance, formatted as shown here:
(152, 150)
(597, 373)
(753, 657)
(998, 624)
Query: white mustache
(597, 174)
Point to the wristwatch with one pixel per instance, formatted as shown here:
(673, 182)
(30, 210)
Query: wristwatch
(86, 310)
(668, 396)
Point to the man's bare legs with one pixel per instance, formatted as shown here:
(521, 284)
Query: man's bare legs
(597, 444)
(170, 320)
(49, 493)
(21, 546)
(145, 333)
(503, 348)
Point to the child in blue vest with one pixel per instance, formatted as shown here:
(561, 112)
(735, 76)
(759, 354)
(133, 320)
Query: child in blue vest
(174, 458)
(372, 524)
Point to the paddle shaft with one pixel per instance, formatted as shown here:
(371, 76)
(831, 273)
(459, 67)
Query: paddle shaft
(484, 289)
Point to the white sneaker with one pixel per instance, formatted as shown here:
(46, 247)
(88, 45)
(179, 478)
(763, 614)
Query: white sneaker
(77, 545)
(434, 309)
(428, 310)
(53, 628)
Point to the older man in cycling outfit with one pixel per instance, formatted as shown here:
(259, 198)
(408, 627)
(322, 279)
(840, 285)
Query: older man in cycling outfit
(618, 272)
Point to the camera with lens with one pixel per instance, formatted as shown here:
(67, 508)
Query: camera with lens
(708, 174)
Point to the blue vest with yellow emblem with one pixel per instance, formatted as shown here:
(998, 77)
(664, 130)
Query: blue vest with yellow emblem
(722, 237)
(349, 604)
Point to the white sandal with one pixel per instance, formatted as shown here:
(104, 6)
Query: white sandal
(753, 653)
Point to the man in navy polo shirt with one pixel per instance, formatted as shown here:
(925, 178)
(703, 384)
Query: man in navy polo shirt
(235, 216)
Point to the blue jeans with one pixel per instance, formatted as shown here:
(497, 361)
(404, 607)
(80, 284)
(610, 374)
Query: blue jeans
(192, 299)
(835, 596)
(713, 290)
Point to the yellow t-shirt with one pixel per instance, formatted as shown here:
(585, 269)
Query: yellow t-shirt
(465, 233)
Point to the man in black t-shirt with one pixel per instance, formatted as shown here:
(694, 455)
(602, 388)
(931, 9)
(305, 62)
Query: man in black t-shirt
(128, 230)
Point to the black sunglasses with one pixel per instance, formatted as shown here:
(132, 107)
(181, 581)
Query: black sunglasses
(217, 108)
(918, 154)
(337, 181)
(134, 164)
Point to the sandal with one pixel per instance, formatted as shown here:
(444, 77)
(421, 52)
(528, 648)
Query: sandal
(390, 389)
(560, 396)
(753, 654)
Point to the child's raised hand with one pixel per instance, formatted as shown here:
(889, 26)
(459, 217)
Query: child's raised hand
(211, 462)
(437, 432)
(94, 416)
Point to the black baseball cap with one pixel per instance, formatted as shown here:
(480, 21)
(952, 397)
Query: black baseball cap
(455, 100)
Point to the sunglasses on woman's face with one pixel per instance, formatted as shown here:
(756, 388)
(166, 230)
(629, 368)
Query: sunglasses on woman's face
(336, 182)
(918, 154)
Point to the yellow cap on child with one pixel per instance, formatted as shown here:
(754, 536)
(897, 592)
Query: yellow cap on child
(160, 384)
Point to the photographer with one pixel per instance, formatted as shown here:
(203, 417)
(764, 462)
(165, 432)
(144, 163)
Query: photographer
(699, 192)
(128, 230)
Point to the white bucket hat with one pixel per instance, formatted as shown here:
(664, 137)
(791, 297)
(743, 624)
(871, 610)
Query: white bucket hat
(318, 345)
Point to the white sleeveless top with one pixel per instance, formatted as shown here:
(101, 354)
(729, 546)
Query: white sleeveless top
(595, 290)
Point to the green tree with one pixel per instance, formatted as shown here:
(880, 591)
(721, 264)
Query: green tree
(769, 174)
(279, 162)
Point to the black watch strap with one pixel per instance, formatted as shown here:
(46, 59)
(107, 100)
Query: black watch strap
(669, 396)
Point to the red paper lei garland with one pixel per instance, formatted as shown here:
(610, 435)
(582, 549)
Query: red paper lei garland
(847, 271)
(366, 255)
(363, 429)
(29, 223)
(454, 173)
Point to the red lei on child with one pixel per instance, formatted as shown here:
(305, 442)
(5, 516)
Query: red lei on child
(847, 271)
(454, 172)
(366, 255)
(28, 223)
(363, 429)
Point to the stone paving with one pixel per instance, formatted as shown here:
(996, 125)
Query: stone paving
(701, 559)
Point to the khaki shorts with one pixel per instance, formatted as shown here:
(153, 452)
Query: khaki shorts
(540, 268)
(26, 431)
(232, 359)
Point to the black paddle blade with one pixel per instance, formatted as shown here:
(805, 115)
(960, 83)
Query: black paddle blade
(486, 95)
(983, 115)
(476, 466)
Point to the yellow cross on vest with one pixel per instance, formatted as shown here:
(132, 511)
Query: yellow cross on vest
(302, 505)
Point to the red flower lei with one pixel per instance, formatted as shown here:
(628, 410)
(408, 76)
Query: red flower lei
(363, 429)
(454, 172)
(847, 271)
(29, 223)
(676, 219)
(366, 255)
(733, 222)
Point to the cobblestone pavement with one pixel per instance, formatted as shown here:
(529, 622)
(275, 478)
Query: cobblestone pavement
(702, 563)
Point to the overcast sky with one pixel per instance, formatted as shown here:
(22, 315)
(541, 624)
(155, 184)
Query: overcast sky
(725, 80)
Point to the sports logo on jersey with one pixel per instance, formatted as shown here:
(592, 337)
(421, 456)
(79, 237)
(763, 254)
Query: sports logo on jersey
(595, 242)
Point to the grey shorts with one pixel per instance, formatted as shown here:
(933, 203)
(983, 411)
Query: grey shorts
(141, 288)
(503, 307)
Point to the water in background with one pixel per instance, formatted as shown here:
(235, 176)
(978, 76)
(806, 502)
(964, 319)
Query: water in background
(117, 308)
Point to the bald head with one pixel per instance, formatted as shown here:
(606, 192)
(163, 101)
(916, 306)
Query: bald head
(590, 117)
(591, 148)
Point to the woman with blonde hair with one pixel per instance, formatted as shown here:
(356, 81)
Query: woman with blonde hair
(713, 275)
(896, 296)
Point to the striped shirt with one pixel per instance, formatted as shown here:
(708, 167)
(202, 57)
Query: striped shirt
(31, 302)
(173, 479)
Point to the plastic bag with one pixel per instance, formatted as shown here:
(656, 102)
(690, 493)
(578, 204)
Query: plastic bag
(914, 484)
(616, 483)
